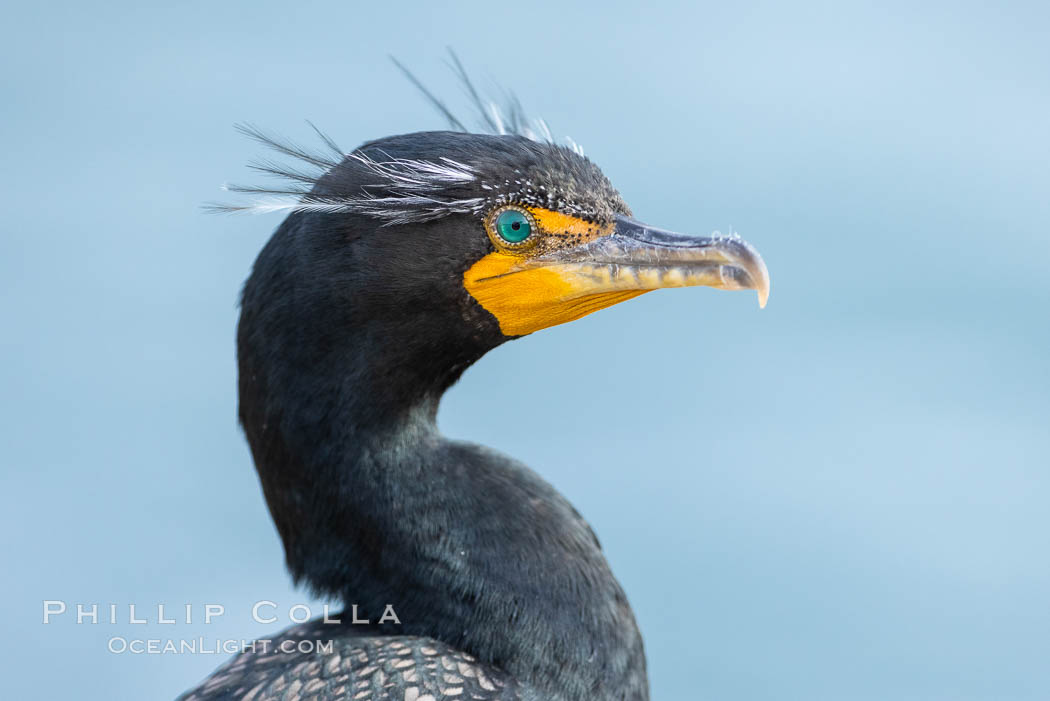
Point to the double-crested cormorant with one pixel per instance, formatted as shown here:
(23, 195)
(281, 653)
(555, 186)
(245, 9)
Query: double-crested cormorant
(401, 264)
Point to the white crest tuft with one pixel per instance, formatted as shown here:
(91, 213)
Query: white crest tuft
(404, 190)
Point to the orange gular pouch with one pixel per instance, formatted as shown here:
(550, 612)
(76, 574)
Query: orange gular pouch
(527, 299)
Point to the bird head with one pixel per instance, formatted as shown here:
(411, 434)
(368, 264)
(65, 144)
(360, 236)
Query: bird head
(530, 231)
(438, 246)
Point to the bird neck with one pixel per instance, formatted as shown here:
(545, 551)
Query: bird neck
(340, 375)
(377, 508)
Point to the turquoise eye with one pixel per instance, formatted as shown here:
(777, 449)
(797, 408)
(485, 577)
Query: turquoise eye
(513, 226)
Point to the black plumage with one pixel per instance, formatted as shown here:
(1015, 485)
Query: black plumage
(355, 320)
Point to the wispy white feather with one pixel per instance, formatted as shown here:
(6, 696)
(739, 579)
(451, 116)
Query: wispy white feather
(404, 190)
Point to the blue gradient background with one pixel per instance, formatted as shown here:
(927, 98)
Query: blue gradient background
(843, 496)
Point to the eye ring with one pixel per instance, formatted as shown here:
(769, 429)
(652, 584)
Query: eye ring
(511, 227)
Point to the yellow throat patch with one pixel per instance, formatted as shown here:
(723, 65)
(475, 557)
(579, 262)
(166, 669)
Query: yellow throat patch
(526, 298)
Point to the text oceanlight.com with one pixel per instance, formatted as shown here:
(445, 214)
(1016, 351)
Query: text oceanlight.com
(201, 646)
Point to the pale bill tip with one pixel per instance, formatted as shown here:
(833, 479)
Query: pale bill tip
(763, 296)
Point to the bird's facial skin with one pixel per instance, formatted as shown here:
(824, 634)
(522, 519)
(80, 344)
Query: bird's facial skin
(550, 268)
